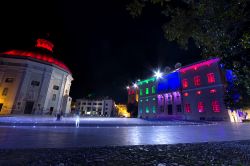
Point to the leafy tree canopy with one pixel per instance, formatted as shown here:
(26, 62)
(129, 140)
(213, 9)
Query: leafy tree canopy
(220, 28)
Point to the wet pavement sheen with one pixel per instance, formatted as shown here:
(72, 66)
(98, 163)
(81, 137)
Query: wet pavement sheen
(62, 137)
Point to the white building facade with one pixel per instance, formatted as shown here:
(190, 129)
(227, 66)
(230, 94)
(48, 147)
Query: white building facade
(103, 107)
(33, 82)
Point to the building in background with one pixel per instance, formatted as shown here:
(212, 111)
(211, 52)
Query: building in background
(122, 110)
(192, 92)
(96, 107)
(34, 81)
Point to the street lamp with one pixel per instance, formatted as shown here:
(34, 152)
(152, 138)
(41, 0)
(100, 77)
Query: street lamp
(135, 85)
(158, 74)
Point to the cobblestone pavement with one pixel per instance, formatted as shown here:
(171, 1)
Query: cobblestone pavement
(235, 153)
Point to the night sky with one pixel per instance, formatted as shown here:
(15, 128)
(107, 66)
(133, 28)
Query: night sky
(105, 48)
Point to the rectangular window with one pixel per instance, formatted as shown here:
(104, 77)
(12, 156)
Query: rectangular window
(184, 83)
(178, 107)
(9, 80)
(99, 103)
(35, 83)
(187, 108)
(53, 97)
(147, 91)
(210, 78)
(153, 89)
(55, 87)
(216, 106)
(94, 103)
(147, 109)
(141, 92)
(153, 109)
(200, 107)
(197, 80)
(5, 92)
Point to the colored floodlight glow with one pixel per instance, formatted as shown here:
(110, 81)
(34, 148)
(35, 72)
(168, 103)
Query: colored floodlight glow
(152, 79)
(198, 92)
(37, 56)
(212, 90)
(158, 74)
(198, 65)
(185, 83)
(169, 82)
(42, 43)
(210, 78)
(215, 106)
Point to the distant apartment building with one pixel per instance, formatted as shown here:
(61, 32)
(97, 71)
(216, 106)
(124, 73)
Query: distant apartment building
(99, 107)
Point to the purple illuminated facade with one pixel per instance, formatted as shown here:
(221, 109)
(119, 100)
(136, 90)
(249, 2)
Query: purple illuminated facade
(192, 92)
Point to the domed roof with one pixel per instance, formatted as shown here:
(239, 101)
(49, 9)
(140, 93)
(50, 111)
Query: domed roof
(42, 53)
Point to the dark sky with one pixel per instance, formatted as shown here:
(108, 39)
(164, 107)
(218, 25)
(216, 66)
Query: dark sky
(105, 48)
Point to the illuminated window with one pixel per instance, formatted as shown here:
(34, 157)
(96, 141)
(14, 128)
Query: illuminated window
(141, 92)
(153, 99)
(216, 106)
(210, 78)
(146, 99)
(197, 80)
(187, 108)
(212, 90)
(147, 91)
(200, 107)
(153, 90)
(5, 92)
(186, 94)
(198, 92)
(147, 109)
(140, 110)
(184, 83)
(153, 109)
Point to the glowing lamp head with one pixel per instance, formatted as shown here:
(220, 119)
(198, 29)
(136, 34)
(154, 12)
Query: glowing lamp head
(135, 85)
(127, 87)
(158, 74)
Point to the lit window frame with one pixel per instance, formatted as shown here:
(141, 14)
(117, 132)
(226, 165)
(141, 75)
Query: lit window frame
(210, 78)
(197, 80)
(200, 106)
(216, 106)
(184, 83)
(187, 108)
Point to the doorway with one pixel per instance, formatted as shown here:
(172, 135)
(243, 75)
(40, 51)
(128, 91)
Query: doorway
(28, 107)
(51, 110)
(170, 109)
